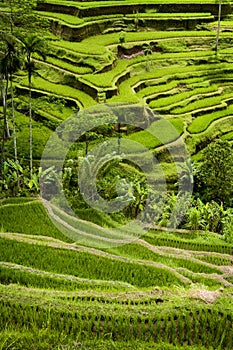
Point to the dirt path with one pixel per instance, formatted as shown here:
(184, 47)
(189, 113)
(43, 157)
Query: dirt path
(19, 204)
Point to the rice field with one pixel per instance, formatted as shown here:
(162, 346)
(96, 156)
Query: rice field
(164, 288)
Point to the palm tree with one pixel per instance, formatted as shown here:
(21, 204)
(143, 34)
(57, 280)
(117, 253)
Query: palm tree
(4, 76)
(5, 129)
(4, 80)
(10, 63)
(218, 29)
(13, 64)
(32, 44)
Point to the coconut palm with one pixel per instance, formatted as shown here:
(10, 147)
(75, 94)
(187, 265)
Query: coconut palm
(9, 64)
(4, 90)
(4, 76)
(12, 62)
(32, 44)
(5, 129)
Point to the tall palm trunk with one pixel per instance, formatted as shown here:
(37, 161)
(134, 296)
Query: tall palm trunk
(32, 44)
(9, 64)
(219, 23)
(4, 101)
(5, 131)
(30, 118)
(4, 126)
(14, 132)
(13, 121)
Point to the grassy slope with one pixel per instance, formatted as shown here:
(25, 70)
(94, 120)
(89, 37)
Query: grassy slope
(71, 284)
(57, 295)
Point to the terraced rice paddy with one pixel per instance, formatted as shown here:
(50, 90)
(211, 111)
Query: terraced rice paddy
(101, 54)
(167, 289)
(164, 287)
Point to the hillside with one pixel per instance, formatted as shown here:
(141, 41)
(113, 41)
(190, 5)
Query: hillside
(98, 279)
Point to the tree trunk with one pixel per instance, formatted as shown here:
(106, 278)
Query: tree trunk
(30, 126)
(13, 122)
(218, 29)
(14, 132)
(119, 137)
(5, 131)
(4, 101)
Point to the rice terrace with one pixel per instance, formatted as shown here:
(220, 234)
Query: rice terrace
(116, 174)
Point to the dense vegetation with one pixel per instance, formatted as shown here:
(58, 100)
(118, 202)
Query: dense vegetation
(61, 285)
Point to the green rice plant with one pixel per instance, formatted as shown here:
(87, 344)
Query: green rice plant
(158, 327)
(51, 314)
(161, 76)
(215, 130)
(9, 275)
(81, 47)
(217, 245)
(16, 200)
(97, 217)
(28, 218)
(55, 115)
(104, 80)
(200, 104)
(74, 20)
(166, 333)
(139, 252)
(182, 96)
(154, 91)
(61, 90)
(37, 279)
(202, 122)
(214, 259)
(172, 15)
(87, 228)
(227, 136)
(74, 68)
(89, 265)
(110, 39)
(203, 281)
(160, 127)
(114, 3)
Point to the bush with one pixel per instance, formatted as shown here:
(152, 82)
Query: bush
(215, 173)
